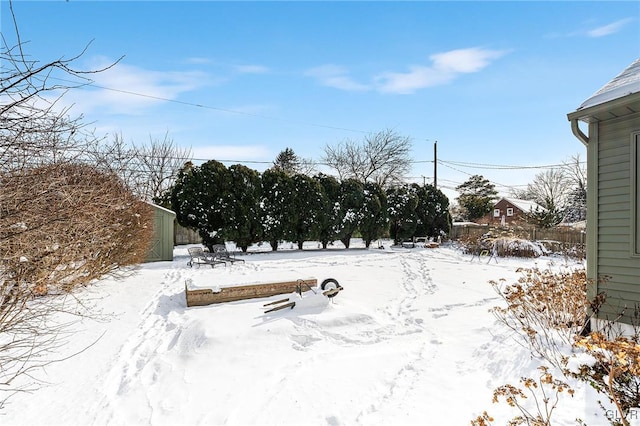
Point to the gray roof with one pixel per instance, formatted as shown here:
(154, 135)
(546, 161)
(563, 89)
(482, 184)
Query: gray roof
(617, 98)
(626, 83)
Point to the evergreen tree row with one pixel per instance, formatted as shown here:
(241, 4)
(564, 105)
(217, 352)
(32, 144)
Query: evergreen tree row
(241, 205)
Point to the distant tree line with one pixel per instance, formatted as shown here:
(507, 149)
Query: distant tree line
(241, 205)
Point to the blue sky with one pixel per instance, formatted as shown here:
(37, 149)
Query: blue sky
(491, 82)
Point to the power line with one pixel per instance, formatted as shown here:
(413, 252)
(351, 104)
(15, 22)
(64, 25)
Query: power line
(501, 166)
(482, 166)
(214, 108)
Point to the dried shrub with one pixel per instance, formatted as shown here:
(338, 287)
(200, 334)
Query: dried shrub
(550, 313)
(615, 371)
(546, 310)
(544, 391)
(61, 226)
(504, 244)
(518, 247)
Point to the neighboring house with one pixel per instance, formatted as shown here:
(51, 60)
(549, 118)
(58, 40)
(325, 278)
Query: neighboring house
(510, 211)
(162, 244)
(613, 204)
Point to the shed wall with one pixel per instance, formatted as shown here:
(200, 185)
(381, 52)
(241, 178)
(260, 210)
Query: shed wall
(162, 244)
(616, 221)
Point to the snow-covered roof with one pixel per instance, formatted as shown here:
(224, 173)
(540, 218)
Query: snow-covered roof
(626, 83)
(156, 206)
(575, 225)
(525, 205)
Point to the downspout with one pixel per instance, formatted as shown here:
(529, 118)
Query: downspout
(592, 207)
(578, 133)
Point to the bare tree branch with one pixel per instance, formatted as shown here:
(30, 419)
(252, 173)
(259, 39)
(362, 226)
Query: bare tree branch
(383, 158)
(62, 224)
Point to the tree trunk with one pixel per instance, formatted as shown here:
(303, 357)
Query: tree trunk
(346, 241)
(274, 245)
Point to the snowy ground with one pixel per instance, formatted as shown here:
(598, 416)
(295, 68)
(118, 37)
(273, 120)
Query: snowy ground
(409, 341)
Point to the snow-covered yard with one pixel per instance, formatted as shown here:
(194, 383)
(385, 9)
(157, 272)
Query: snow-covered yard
(410, 340)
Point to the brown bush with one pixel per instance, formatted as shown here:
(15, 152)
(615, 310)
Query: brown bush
(61, 226)
(550, 315)
(546, 310)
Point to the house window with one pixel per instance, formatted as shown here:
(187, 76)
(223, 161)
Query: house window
(510, 211)
(496, 212)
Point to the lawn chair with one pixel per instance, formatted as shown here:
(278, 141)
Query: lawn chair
(220, 252)
(199, 257)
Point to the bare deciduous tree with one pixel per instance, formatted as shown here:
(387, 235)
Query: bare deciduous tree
(576, 172)
(34, 128)
(148, 170)
(115, 156)
(61, 224)
(161, 160)
(550, 189)
(576, 206)
(382, 158)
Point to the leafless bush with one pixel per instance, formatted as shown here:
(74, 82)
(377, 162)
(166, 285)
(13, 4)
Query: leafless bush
(615, 371)
(544, 391)
(61, 226)
(64, 225)
(550, 313)
(504, 244)
(546, 310)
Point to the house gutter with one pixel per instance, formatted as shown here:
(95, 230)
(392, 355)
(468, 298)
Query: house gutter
(578, 133)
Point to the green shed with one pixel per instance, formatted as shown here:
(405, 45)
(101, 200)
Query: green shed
(612, 116)
(162, 244)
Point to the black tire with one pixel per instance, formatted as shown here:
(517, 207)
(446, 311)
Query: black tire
(330, 284)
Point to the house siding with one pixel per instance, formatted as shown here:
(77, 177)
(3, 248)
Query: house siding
(616, 263)
(635, 198)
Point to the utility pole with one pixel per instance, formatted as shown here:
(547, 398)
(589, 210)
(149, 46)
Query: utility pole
(435, 164)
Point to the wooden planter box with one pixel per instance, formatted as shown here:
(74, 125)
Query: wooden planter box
(206, 296)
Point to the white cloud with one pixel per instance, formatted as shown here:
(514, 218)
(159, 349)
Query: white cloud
(609, 29)
(464, 60)
(601, 31)
(445, 67)
(126, 89)
(198, 60)
(335, 76)
(418, 77)
(252, 69)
